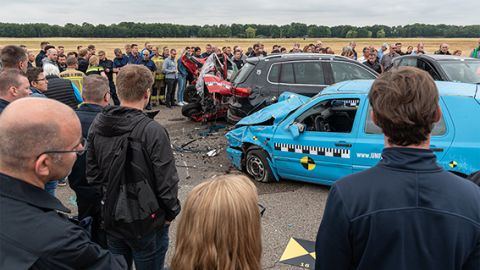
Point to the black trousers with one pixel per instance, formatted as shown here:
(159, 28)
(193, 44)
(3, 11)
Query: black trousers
(113, 93)
(170, 91)
(89, 205)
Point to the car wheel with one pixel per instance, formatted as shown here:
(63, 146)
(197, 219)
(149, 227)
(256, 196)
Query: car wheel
(191, 109)
(190, 94)
(257, 166)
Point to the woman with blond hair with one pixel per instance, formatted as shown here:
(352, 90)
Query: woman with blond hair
(94, 67)
(219, 228)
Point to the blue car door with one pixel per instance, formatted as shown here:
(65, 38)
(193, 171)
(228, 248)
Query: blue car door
(370, 141)
(321, 152)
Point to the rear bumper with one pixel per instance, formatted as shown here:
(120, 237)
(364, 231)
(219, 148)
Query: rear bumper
(235, 157)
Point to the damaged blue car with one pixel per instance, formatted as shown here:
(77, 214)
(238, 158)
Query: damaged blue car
(331, 135)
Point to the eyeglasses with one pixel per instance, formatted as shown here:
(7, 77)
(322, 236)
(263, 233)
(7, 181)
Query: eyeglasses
(83, 143)
(262, 209)
(39, 80)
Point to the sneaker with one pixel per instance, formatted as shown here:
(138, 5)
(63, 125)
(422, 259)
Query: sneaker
(180, 103)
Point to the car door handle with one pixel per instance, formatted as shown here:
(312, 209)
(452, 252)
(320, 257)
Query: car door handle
(343, 144)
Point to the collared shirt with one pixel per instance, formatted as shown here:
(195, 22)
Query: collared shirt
(3, 104)
(120, 62)
(107, 64)
(170, 68)
(34, 235)
(148, 63)
(133, 59)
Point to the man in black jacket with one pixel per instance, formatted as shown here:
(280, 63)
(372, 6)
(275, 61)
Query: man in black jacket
(41, 54)
(33, 151)
(406, 212)
(95, 97)
(107, 65)
(110, 128)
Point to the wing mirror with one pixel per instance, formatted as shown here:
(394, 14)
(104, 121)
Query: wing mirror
(296, 128)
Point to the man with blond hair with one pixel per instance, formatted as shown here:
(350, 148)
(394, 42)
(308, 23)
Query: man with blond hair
(144, 242)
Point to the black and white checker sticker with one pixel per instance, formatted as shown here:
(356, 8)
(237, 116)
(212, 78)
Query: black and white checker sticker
(313, 150)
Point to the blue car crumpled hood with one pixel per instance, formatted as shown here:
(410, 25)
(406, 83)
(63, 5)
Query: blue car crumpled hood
(287, 102)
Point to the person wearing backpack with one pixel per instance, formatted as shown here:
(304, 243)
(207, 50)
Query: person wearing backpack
(130, 158)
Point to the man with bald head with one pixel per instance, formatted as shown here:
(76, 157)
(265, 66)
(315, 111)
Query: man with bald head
(13, 85)
(443, 49)
(52, 57)
(35, 234)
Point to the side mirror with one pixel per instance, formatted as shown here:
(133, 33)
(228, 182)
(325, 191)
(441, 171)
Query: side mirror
(296, 128)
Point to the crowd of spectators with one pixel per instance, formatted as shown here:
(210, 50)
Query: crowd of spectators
(60, 119)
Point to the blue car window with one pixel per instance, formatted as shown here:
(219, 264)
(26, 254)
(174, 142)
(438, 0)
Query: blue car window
(309, 73)
(333, 115)
(287, 75)
(439, 128)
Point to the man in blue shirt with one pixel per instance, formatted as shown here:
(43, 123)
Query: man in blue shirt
(135, 56)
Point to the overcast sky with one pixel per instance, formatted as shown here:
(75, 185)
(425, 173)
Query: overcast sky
(200, 12)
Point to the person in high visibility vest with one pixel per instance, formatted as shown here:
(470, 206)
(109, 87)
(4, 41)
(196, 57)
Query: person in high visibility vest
(94, 67)
(72, 73)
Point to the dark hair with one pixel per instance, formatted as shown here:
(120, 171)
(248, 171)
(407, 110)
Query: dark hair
(61, 55)
(133, 45)
(405, 102)
(11, 55)
(79, 47)
(8, 78)
(197, 49)
(43, 43)
(72, 53)
(91, 46)
(48, 47)
(32, 74)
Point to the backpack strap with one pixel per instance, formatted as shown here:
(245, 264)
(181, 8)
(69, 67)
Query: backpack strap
(136, 133)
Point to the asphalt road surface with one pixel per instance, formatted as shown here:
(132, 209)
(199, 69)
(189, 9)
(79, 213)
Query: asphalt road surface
(293, 209)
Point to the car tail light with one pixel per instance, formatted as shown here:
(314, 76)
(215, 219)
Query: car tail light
(241, 92)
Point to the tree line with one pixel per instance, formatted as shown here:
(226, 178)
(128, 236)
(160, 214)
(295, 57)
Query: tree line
(293, 30)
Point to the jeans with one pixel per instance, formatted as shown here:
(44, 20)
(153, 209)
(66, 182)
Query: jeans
(182, 83)
(51, 186)
(148, 253)
(170, 92)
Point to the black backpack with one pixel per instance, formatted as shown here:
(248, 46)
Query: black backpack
(130, 209)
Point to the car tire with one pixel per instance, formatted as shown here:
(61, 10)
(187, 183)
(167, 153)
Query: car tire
(190, 94)
(257, 166)
(191, 109)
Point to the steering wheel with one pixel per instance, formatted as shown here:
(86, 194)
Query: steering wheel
(321, 124)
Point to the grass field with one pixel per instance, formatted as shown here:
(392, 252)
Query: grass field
(108, 44)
